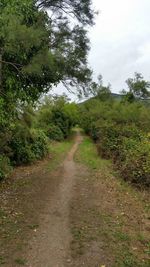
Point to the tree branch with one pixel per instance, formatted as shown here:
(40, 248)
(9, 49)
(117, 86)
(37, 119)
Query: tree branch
(12, 64)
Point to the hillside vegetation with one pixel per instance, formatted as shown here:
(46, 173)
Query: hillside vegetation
(121, 131)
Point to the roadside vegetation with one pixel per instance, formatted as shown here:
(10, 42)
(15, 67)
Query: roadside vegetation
(46, 48)
(40, 46)
(112, 220)
(34, 130)
(44, 43)
(121, 129)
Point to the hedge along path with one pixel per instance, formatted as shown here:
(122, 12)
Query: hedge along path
(50, 247)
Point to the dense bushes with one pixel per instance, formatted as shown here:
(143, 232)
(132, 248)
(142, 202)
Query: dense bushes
(135, 165)
(121, 131)
(56, 117)
(55, 133)
(28, 143)
(39, 143)
(27, 138)
(28, 149)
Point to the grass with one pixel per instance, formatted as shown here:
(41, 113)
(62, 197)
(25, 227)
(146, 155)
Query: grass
(2, 260)
(87, 154)
(58, 150)
(20, 261)
(33, 226)
(104, 226)
(127, 259)
(121, 236)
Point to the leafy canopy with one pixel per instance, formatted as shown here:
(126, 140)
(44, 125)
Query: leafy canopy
(138, 87)
(40, 48)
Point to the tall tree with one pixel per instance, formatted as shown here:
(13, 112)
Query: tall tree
(99, 90)
(79, 9)
(40, 50)
(138, 87)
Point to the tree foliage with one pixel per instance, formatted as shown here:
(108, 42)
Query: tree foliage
(42, 43)
(138, 87)
(80, 9)
(40, 50)
(99, 90)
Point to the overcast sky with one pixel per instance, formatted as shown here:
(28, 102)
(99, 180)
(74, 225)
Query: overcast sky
(120, 40)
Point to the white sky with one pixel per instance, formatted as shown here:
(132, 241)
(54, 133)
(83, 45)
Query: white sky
(120, 41)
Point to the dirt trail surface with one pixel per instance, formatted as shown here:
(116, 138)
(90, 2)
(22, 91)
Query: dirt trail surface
(51, 245)
(73, 210)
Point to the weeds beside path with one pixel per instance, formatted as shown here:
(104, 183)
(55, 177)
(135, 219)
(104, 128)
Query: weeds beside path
(109, 218)
(74, 212)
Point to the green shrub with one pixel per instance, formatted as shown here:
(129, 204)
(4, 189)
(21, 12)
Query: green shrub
(128, 136)
(22, 153)
(20, 145)
(135, 166)
(121, 131)
(5, 167)
(109, 140)
(39, 143)
(27, 145)
(56, 117)
(129, 150)
(55, 133)
(24, 137)
(94, 131)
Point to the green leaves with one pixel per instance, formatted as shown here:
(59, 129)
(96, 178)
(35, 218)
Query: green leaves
(138, 87)
(39, 51)
(121, 131)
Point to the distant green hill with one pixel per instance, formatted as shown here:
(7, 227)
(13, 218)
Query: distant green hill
(117, 97)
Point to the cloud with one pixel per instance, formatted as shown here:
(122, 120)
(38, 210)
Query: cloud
(120, 40)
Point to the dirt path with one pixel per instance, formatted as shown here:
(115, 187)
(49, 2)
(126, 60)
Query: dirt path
(73, 212)
(51, 245)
